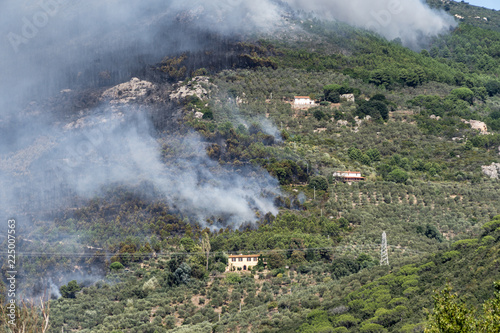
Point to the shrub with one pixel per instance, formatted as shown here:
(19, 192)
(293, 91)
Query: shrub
(318, 114)
(151, 284)
(208, 115)
(272, 305)
(233, 278)
(116, 266)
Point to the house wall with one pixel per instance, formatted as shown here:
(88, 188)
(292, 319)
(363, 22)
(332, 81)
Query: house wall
(347, 174)
(303, 101)
(244, 262)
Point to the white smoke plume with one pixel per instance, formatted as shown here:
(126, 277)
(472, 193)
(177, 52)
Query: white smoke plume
(54, 290)
(119, 149)
(409, 20)
(49, 45)
(58, 41)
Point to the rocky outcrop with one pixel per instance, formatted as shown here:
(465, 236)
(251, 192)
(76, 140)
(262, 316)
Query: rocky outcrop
(348, 98)
(132, 97)
(129, 91)
(492, 171)
(478, 125)
(199, 86)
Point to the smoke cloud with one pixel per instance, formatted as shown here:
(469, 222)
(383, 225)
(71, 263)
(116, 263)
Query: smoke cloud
(117, 147)
(409, 20)
(54, 290)
(53, 44)
(49, 45)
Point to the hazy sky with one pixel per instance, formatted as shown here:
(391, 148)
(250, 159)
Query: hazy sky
(494, 4)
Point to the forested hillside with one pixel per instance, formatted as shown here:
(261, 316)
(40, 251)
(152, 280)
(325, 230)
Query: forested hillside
(255, 174)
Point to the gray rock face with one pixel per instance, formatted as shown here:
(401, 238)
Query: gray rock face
(199, 86)
(492, 171)
(128, 91)
(348, 97)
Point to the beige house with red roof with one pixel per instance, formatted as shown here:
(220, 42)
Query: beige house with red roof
(243, 261)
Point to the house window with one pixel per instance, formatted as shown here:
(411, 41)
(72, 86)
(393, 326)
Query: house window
(240, 259)
(233, 259)
(255, 259)
(249, 259)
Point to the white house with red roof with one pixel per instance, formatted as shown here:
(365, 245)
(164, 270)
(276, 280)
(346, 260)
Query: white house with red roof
(349, 176)
(303, 100)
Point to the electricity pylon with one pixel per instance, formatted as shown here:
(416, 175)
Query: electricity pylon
(384, 258)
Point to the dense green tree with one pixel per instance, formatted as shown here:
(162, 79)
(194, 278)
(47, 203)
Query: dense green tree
(332, 93)
(275, 259)
(453, 315)
(376, 109)
(373, 154)
(464, 94)
(492, 87)
(398, 176)
(319, 114)
(182, 274)
(70, 290)
(319, 183)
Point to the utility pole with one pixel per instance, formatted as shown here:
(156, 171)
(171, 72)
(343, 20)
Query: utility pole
(384, 258)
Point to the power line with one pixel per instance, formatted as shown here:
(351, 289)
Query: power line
(338, 249)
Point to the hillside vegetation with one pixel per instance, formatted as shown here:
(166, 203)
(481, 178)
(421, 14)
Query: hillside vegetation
(152, 267)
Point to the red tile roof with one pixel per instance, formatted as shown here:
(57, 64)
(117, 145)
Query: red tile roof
(243, 255)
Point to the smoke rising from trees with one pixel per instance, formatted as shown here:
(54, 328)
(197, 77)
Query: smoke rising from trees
(119, 149)
(409, 20)
(54, 44)
(51, 44)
